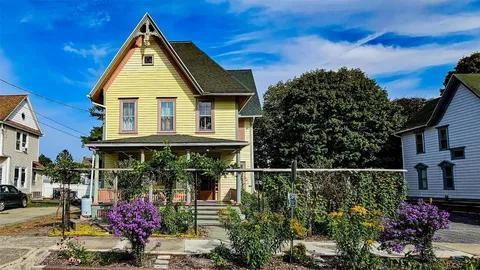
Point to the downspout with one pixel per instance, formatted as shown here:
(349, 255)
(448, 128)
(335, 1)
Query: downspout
(252, 156)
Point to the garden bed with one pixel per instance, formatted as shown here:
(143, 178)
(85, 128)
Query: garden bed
(201, 262)
(100, 260)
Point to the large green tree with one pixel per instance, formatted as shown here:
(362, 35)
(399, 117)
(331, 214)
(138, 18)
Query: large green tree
(336, 118)
(96, 132)
(467, 64)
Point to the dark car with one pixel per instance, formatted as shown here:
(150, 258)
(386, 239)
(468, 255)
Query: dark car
(11, 196)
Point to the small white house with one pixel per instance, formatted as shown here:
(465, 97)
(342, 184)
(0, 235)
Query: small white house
(441, 144)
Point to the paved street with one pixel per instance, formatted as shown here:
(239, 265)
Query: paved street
(18, 215)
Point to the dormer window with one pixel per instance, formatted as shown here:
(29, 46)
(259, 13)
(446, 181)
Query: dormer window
(147, 59)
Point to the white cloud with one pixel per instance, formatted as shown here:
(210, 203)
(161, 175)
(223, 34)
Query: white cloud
(6, 71)
(399, 86)
(97, 52)
(97, 19)
(305, 53)
(408, 17)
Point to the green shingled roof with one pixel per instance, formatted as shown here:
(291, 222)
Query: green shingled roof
(253, 107)
(421, 118)
(211, 77)
(177, 139)
(434, 109)
(471, 81)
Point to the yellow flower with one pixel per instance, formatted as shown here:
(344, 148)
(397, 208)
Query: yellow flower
(369, 242)
(336, 214)
(359, 210)
(368, 224)
(377, 213)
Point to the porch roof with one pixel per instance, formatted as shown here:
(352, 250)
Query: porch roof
(176, 140)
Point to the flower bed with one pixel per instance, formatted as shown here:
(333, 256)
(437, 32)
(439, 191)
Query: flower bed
(99, 260)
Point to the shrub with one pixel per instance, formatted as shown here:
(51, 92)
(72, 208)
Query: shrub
(74, 251)
(415, 224)
(135, 221)
(176, 220)
(220, 256)
(298, 230)
(299, 256)
(255, 240)
(355, 231)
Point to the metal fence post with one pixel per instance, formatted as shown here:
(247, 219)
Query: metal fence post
(294, 178)
(196, 203)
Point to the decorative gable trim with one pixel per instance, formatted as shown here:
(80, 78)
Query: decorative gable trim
(147, 21)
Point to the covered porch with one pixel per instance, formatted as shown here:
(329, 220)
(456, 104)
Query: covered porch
(109, 153)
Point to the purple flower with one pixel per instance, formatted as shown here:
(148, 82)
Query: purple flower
(135, 220)
(415, 224)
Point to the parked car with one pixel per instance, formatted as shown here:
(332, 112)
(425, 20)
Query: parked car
(11, 196)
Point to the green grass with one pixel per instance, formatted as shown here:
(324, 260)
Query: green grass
(44, 203)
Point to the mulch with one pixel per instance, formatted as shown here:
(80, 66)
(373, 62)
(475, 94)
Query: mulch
(55, 262)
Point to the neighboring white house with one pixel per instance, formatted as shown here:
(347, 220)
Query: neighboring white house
(19, 143)
(441, 144)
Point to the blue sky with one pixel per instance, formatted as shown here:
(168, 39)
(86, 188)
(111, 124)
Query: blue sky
(59, 48)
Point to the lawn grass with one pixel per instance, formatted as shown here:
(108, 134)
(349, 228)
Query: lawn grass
(43, 203)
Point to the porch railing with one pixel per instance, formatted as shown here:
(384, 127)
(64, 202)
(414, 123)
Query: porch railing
(107, 195)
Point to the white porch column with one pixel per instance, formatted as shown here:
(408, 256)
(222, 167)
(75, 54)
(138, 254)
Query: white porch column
(150, 187)
(96, 178)
(239, 180)
(189, 187)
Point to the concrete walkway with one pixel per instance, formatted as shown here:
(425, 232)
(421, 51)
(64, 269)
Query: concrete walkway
(19, 215)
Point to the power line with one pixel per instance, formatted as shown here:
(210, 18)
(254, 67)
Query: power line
(60, 130)
(44, 97)
(58, 123)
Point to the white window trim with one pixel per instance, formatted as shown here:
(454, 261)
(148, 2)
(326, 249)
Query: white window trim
(23, 149)
(19, 180)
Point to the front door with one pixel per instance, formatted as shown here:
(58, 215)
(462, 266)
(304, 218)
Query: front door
(206, 188)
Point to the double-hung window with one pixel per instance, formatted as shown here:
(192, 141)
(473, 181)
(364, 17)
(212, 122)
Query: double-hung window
(21, 143)
(167, 115)
(448, 176)
(19, 177)
(422, 176)
(128, 116)
(443, 138)
(419, 143)
(205, 116)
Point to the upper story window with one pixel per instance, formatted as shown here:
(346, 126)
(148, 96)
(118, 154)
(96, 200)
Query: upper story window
(448, 176)
(205, 115)
(21, 143)
(422, 176)
(443, 138)
(457, 153)
(167, 115)
(128, 116)
(147, 60)
(419, 142)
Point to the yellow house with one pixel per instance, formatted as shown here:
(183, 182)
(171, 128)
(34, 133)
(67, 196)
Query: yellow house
(157, 92)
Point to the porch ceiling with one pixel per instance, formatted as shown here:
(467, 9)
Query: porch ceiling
(174, 141)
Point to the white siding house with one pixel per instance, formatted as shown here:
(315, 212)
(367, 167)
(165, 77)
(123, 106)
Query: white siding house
(441, 145)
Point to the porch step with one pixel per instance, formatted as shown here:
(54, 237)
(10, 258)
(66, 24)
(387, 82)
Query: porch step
(207, 214)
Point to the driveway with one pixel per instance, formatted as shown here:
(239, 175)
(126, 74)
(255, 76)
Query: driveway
(19, 215)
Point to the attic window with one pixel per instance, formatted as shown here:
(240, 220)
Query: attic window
(147, 60)
(23, 116)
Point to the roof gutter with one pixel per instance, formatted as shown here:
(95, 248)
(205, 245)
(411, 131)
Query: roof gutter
(164, 144)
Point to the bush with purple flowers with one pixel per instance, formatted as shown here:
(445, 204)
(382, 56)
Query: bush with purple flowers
(415, 224)
(135, 221)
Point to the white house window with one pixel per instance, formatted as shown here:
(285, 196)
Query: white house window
(19, 177)
(420, 145)
(167, 115)
(422, 176)
(443, 138)
(457, 153)
(21, 141)
(147, 60)
(128, 121)
(448, 176)
(205, 116)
